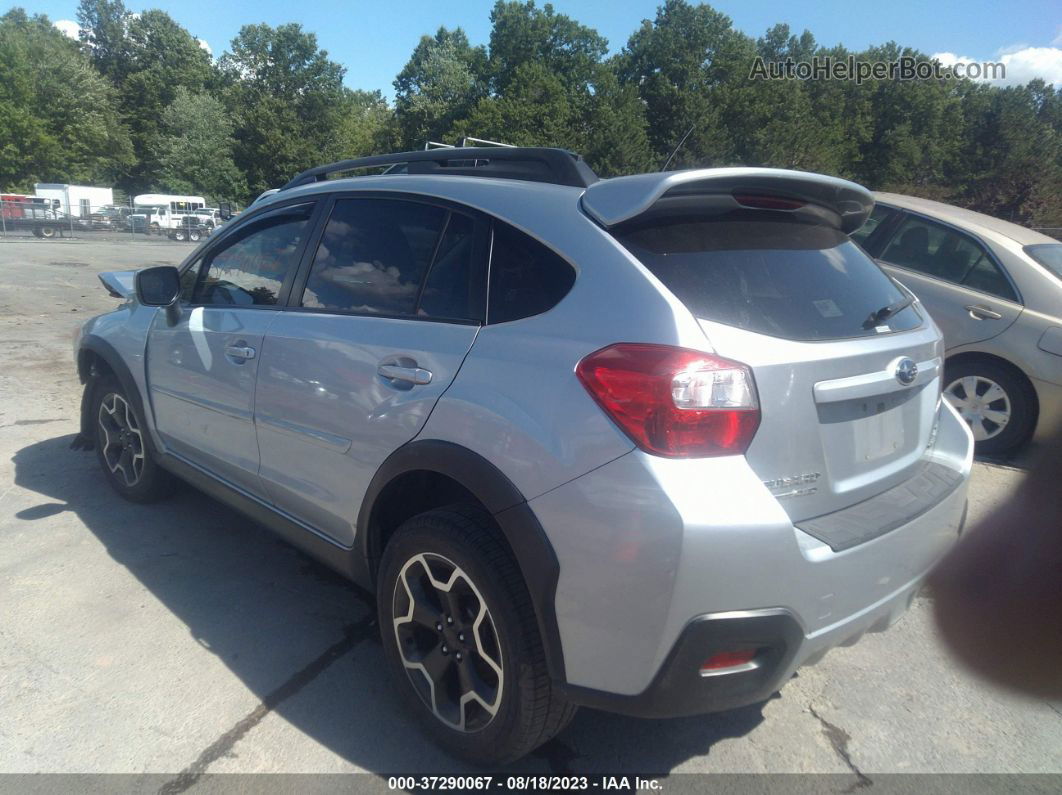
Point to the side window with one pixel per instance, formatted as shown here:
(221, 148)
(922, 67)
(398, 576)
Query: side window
(526, 278)
(935, 250)
(252, 269)
(373, 256)
(456, 285)
(986, 277)
(878, 216)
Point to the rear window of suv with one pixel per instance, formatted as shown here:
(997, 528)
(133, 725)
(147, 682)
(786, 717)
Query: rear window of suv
(780, 277)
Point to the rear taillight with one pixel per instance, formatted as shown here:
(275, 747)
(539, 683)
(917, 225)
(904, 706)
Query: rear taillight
(674, 402)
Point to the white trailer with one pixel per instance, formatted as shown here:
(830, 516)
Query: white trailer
(79, 201)
(165, 210)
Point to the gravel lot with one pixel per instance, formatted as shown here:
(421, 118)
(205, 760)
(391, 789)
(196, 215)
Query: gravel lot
(181, 638)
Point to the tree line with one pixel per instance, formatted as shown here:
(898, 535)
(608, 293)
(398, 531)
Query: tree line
(138, 103)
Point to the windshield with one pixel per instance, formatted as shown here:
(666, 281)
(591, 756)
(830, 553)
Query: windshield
(771, 275)
(1049, 255)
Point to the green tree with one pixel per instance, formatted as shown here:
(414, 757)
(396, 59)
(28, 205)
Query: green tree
(195, 148)
(366, 125)
(286, 98)
(534, 111)
(685, 62)
(163, 58)
(1013, 154)
(614, 137)
(438, 85)
(104, 36)
(58, 117)
(522, 34)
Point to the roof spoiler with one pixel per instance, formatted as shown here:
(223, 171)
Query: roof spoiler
(829, 200)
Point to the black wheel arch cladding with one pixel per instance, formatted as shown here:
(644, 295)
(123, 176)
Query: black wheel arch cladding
(520, 527)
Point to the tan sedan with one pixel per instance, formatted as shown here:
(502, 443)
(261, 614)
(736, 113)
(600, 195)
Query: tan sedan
(995, 290)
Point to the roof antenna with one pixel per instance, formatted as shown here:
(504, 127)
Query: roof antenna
(680, 143)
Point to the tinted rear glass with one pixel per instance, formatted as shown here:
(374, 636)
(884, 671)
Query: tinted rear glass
(773, 276)
(1047, 254)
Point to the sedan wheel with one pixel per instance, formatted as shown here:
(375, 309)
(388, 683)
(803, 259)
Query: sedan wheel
(982, 403)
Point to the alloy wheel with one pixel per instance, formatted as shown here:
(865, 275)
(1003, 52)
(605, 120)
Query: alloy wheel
(448, 642)
(121, 443)
(982, 403)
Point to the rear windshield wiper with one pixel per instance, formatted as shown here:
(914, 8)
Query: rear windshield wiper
(883, 314)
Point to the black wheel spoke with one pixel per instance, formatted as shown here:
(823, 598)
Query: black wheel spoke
(435, 605)
(436, 665)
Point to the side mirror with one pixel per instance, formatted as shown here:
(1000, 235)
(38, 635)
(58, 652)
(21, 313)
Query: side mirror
(225, 210)
(159, 286)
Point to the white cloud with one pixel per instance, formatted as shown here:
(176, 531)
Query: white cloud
(68, 28)
(1022, 64)
(204, 46)
(1057, 40)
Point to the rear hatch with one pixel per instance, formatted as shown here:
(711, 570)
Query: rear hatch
(847, 369)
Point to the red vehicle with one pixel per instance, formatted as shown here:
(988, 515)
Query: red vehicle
(37, 214)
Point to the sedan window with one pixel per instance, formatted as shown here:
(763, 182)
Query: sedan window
(944, 253)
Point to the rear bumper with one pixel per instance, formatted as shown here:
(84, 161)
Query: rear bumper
(661, 568)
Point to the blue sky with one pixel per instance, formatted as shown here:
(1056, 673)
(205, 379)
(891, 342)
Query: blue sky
(374, 39)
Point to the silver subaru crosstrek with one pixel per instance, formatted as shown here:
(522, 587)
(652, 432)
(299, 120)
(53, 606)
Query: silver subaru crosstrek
(646, 444)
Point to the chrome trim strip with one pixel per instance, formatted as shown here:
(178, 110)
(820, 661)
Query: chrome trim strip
(869, 384)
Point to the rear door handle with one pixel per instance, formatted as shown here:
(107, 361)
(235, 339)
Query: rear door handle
(979, 312)
(412, 375)
(241, 352)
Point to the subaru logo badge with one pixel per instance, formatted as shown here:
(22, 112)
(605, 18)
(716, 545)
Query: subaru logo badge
(906, 371)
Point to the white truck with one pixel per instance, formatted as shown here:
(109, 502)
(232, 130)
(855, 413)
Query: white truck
(162, 212)
(79, 201)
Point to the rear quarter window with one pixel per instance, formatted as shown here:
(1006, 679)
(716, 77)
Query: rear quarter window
(526, 278)
(769, 274)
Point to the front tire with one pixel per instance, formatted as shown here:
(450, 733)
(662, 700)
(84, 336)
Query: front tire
(122, 447)
(461, 639)
(994, 401)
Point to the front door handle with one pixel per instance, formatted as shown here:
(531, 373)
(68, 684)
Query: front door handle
(412, 375)
(979, 312)
(241, 352)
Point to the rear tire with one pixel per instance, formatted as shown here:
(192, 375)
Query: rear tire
(123, 450)
(996, 402)
(194, 236)
(178, 235)
(489, 698)
(47, 232)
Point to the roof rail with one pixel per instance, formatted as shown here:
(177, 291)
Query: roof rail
(469, 141)
(535, 164)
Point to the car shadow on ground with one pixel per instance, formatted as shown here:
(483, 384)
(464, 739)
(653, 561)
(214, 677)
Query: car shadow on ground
(292, 631)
